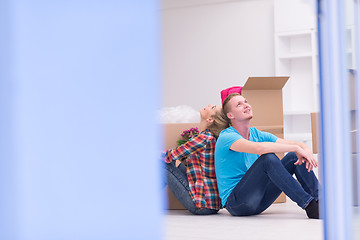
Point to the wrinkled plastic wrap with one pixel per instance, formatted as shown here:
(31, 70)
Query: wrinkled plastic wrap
(179, 114)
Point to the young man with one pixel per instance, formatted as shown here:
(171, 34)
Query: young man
(250, 176)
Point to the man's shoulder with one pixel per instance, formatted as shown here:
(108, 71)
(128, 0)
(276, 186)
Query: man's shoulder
(229, 130)
(228, 134)
(254, 130)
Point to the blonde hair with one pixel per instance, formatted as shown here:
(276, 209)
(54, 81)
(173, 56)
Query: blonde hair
(220, 123)
(225, 107)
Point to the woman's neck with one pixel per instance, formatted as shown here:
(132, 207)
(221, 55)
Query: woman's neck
(203, 125)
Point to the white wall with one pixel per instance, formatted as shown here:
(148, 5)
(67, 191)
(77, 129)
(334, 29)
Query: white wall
(211, 45)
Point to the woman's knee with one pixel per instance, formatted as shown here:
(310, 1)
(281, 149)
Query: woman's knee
(204, 211)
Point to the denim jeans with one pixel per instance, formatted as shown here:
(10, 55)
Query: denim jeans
(179, 185)
(266, 179)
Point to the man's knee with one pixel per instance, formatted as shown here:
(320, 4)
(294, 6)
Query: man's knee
(269, 157)
(291, 155)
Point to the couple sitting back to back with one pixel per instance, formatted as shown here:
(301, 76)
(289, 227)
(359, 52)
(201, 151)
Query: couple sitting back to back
(241, 172)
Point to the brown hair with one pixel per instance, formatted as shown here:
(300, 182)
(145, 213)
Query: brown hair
(225, 107)
(220, 123)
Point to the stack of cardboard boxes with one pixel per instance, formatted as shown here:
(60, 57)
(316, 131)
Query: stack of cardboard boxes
(265, 96)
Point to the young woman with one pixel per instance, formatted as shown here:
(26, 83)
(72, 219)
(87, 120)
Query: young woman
(195, 185)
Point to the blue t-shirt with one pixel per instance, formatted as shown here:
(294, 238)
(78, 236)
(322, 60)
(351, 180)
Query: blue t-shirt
(231, 166)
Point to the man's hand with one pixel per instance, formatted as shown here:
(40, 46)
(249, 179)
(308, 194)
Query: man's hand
(307, 157)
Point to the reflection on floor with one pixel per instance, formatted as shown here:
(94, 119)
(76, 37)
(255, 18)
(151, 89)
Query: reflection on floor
(282, 221)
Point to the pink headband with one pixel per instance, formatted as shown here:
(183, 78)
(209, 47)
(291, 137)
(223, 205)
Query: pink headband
(226, 92)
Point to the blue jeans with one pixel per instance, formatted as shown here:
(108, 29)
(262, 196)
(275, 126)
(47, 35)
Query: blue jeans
(179, 185)
(266, 179)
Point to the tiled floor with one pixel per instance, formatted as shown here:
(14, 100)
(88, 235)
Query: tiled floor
(283, 221)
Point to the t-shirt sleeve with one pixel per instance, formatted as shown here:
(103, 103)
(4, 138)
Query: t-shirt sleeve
(228, 138)
(266, 137)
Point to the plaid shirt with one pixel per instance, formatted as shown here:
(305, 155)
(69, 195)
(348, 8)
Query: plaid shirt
(199, 153)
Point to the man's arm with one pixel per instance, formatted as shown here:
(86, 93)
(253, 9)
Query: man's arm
(243, 145)
(300, 144)
(280, 146)
(301, 159)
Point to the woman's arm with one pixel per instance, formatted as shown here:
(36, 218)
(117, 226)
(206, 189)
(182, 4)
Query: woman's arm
(192, 146)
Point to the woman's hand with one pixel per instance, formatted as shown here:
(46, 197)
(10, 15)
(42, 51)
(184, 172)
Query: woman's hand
(177, 163)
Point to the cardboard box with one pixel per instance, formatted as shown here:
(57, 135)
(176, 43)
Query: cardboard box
(353, 130)
(354, 157)
(265, 96)
(315, 131)
(172, 133)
